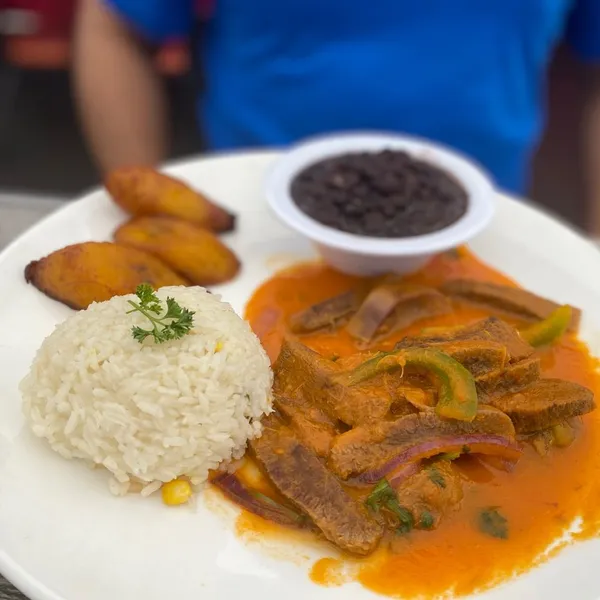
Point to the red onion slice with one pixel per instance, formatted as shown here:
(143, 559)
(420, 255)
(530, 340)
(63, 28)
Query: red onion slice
(486, 444)
(258, 503)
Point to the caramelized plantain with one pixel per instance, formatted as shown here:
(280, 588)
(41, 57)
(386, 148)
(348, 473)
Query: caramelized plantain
(144, 191)
(195, 253)
(96, 271)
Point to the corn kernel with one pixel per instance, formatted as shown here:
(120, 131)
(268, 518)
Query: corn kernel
(218, 347)
(176, 492)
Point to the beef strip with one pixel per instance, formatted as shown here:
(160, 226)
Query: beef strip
(370, 447)
(545, 403)
(477, 356)
(355, 405)
(299, 371)
(329, 313)
(311, 425)
(513, 378)
(394, 306)
(487, 330)
(431, 493)
(515, 302)
(401, 407)
(416, 398)
(415, 310)
(302, 478)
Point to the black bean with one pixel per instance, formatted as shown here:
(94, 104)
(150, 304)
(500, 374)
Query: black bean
(385, 194)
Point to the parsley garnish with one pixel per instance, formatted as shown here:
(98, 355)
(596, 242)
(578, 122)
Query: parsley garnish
(436, 477)
(384, 496)
(426, 521)
(449, 456)
(492, 522)
(172, 325)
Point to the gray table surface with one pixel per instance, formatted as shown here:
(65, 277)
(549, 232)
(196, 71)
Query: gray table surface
(17, 213)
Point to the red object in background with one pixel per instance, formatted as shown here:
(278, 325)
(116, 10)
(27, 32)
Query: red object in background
(37, 34)
(52, 18)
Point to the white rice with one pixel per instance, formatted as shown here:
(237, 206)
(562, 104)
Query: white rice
(149, 412)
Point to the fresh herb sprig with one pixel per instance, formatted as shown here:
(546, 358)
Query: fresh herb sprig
(172, 325)
(383, 496)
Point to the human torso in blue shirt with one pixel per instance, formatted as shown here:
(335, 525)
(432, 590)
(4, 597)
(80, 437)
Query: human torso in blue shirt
(468, 73)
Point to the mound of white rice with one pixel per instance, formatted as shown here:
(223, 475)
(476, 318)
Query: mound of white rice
(149, 412)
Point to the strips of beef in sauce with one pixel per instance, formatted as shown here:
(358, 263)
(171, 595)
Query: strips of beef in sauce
(302, 478)
(511, 301)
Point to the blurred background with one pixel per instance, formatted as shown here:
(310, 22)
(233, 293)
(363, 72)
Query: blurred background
(42, 155)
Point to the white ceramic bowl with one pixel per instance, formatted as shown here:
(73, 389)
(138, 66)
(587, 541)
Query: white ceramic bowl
(363, 255)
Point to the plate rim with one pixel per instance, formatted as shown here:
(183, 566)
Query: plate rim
(11, 570)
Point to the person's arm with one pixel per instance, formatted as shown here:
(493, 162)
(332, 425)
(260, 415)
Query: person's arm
(118, 91)
(584, 36)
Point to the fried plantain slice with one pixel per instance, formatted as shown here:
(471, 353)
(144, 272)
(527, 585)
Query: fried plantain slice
(96, 271)
(144, 191)
(195, 253)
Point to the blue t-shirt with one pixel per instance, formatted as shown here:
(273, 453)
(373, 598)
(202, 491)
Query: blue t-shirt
(468, 73)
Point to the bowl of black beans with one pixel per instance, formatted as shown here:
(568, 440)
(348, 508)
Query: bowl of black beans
(379, 203)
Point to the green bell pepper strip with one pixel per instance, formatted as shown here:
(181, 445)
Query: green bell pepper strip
(550, 329)
(457, 394)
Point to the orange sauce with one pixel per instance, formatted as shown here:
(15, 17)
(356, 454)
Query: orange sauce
(540, 498)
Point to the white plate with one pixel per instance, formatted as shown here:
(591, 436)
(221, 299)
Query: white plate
(62, 535)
